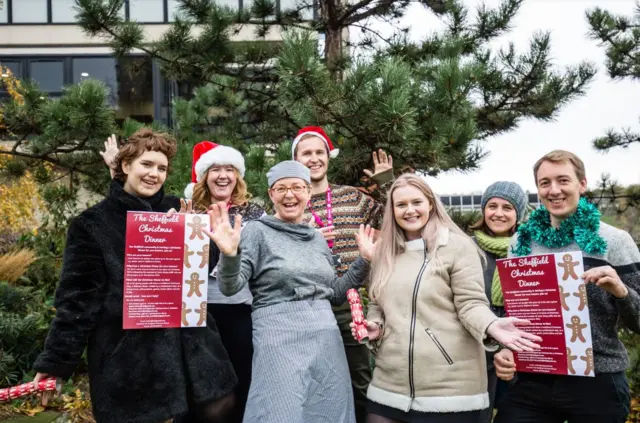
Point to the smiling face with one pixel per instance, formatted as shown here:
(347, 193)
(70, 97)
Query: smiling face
(221, 181)
(290, 197)
(500, 216)
(411, 210)
(145, 174)
(559, 188)
(312, 152)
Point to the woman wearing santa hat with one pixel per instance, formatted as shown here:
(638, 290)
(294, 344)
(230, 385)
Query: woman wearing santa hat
(217, 176)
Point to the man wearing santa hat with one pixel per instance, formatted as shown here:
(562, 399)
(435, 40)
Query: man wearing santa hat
(337, 211)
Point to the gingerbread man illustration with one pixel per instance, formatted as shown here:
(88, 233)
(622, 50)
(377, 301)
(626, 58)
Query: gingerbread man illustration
(568, 265)
(570, 359)
(202, 311)
(563, 298)
(204, 255)
(185, 311)
(194, 285)
(197, 227)
(576, 329)
(582, 294)
(187, 253)
(588, 358)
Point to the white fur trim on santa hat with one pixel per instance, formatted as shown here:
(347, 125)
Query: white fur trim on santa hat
(221, 155)
(188, 191)
(332, 153)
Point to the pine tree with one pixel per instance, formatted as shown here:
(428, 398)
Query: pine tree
(620, 36)
(430, 104)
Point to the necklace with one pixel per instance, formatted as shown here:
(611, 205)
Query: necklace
(581, 227)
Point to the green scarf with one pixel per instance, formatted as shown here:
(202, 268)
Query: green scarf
(582, 227)
(498, 246)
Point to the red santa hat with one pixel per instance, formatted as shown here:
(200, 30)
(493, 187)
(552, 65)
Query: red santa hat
(207, 154)
(315, 131)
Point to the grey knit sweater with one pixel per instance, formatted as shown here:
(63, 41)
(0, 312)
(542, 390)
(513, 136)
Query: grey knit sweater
(286, 262)
(606, 312)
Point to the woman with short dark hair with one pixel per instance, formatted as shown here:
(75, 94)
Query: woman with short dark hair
(145, 375)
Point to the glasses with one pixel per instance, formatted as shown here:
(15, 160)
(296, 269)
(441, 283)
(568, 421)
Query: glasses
(281, 190)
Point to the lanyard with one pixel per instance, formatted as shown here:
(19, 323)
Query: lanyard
(319, 221)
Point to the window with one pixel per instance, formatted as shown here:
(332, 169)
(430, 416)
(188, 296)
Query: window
(455, 201)
(129, 81)
(466, 200)
(14, 67)
(101, 68)
(48, 74)
(146, 10)
(477, 199)
(445, 200)
(4, 13)
(30, 11)
(172, 8)
(63, 11)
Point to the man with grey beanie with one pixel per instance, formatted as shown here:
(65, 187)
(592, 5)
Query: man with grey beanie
(300, 372)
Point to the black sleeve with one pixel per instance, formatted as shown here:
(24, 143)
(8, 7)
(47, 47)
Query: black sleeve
(78, 301)
(214, 255)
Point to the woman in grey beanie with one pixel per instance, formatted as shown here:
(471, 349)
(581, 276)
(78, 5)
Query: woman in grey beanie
(504, 205)
(300, 372)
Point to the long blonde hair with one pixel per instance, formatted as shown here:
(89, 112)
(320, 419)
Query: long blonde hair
(202, 196)
(392, 239)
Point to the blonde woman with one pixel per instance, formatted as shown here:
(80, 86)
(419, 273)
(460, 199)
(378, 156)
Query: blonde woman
(429, 316)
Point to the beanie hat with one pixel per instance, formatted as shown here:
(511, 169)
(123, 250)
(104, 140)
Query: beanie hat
(207, 154)
(288, 169)
(317, 132)
(509, 191)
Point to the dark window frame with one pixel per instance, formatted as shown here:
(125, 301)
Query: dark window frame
(165, 4)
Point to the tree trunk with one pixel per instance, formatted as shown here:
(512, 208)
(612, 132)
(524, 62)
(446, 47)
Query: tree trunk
(330, 10)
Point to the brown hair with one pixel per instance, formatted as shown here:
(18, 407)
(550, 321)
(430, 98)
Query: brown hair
(481, 225)
(140, 141)
(202, 197)
(561, 156)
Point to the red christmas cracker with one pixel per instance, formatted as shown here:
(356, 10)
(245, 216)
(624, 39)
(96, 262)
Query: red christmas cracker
(29, 388)
(357, 315)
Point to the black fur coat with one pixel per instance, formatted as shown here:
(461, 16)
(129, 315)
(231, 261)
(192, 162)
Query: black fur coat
(136, 376)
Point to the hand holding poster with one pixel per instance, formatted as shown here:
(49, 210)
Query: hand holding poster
(547, 291)
(166, 271)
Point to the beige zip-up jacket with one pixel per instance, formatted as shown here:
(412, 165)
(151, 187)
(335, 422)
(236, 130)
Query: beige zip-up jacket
(435, 314)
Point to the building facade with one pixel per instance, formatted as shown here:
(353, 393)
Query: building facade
(40, 41)
(472, 202)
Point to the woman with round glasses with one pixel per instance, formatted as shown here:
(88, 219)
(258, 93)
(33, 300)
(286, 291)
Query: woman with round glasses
(300, 372)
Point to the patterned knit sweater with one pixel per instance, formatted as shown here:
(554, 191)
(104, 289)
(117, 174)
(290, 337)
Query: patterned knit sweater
(350, 208)
(606, 312)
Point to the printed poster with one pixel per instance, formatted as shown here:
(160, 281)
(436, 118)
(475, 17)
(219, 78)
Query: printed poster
(547, 290)
(166, 271)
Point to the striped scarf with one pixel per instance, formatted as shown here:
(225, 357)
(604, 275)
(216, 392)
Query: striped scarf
(498, 246)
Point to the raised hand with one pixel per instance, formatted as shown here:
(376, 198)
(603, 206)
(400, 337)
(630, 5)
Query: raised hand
(366, 246)
(381, 163)
(186, 206)
(372, 328)
(506, 332)
(110, 152)
(226, 237)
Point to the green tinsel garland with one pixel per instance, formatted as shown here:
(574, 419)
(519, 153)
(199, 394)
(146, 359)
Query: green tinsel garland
(581, 227)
